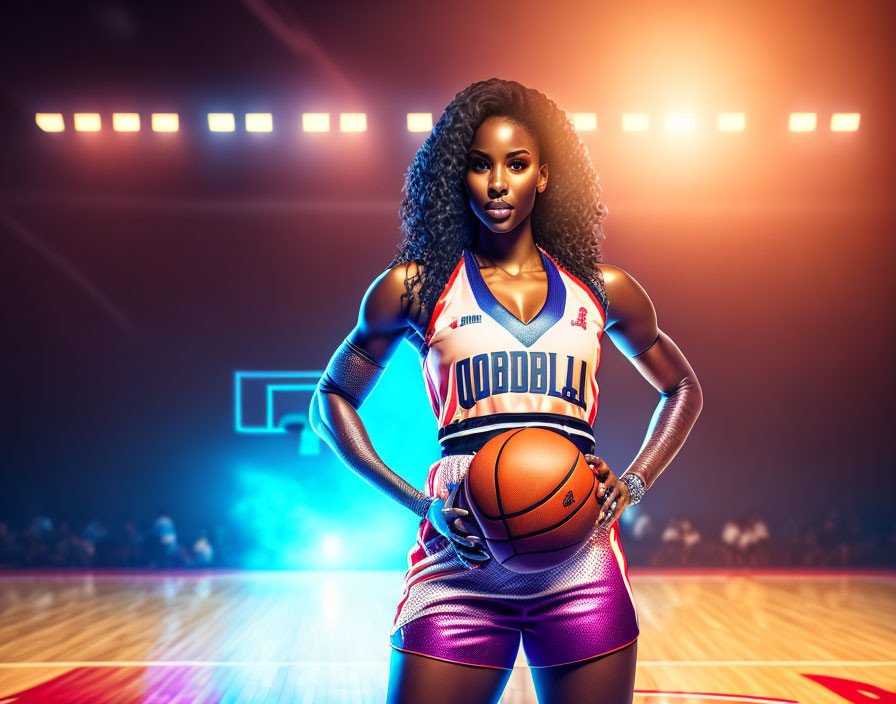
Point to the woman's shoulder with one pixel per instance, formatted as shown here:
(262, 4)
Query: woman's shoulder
(395, 294)
(405, 278)
(615, 277)
(625, 295)
(409, 269)
(611, 272)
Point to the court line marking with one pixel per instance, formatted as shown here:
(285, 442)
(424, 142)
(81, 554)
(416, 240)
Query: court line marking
(709, 695)
(343, 663)
(676, 694)
(650, 573)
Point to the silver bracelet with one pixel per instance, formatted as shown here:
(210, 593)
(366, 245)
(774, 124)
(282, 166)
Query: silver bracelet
(635, 487)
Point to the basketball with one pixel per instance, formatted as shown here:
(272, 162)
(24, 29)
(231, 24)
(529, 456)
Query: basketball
(534, 496)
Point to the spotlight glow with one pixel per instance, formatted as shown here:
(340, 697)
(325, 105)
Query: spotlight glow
(634, 122)
(87, 122)
(259, 122)
(50, 121)
(802, 121)
(331, 547)
(165, 122)
(584, 121)
(731, 122)
(315, 121)
(419, 121)
(125, 122)
(353, 122)
(681, 122)
(221, 122)
(845, 121)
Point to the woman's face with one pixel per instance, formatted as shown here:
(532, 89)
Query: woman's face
(503, 174)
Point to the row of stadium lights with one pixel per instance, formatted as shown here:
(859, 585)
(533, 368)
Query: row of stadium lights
(421, 122)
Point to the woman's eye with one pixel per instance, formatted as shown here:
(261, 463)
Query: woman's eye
(478, 164)
(521, 165)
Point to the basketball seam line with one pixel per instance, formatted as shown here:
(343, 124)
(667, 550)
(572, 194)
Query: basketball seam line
(549, 528)
(498, 490)
(542, 501)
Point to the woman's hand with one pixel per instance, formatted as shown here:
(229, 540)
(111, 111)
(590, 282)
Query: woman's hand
(445, 517)
(612, 494)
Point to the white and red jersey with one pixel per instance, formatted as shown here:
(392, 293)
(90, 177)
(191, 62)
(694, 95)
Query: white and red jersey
(486, 370)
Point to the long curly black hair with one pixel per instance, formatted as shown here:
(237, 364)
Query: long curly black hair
(436, 217)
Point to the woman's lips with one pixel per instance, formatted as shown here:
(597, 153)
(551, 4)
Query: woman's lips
(498, 213)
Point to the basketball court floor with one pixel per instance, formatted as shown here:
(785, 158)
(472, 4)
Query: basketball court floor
(266, 638)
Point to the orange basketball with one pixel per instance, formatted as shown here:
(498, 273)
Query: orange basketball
(534, 496)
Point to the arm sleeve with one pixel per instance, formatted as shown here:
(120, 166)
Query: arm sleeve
(676, 412)
(352, 374)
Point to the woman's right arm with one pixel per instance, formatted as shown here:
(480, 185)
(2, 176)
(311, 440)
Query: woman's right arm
(354, 370)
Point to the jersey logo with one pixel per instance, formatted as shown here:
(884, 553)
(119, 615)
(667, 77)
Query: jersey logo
(466, 320)
(506, 371)
(581, 320)
(568, 500)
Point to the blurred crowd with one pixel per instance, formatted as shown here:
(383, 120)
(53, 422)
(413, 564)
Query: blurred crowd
(42, 543)
(746, 541)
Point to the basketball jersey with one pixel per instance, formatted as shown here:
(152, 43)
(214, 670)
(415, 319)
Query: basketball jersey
(485, 371)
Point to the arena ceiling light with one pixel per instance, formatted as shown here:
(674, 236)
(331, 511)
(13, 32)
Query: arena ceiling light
(802, 121)
(353, 122)
(315, 122)
(125, 122)
(221, 122)
(87, 122)
(165, 122)
(584, 121)
(259, 122)
(419, 121)
(680, 122)
(423, 122)
(635, 122)
(845, 121)
(50, 121)
(732, 121)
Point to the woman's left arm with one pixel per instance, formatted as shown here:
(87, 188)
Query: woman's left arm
(632, 325)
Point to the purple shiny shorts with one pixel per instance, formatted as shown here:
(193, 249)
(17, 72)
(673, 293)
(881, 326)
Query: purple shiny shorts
(478, 616)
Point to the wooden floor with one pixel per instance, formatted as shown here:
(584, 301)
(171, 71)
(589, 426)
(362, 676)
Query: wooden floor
(266, 638)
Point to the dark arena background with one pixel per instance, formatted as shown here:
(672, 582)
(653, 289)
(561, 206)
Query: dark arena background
(195, 197)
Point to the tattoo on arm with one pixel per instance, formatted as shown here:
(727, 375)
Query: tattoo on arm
(407, 298)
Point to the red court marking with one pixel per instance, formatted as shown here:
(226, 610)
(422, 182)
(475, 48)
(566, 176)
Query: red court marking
(854, 691)
(713, 696)
(132, 685)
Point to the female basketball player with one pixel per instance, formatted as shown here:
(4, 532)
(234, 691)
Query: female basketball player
(499, 273)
